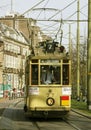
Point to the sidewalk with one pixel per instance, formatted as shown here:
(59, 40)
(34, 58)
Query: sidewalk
(5, 102)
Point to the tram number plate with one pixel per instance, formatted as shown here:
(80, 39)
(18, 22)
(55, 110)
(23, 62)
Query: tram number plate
(66, 90)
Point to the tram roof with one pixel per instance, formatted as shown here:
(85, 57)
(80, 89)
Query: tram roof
(49, 56)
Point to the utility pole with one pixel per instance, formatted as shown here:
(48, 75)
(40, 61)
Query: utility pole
(78, 58)
(11, 6)
(89, 58)
(70, 39)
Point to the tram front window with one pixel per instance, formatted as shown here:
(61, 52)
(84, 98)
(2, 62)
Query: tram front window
(50, 74)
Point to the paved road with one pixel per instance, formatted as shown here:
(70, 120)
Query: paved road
(13, 118)
(5, 102)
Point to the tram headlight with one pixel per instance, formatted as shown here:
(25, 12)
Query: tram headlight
(50, 101)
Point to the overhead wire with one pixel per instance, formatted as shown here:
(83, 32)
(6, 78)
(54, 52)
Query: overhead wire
(47, 25)
(50, 26)
(51, 29)
(83, 8)
(33, 7)
(71, 15)
(41, 10)
(62, 9)
(53, 15)
(60, 22)
(76, 12)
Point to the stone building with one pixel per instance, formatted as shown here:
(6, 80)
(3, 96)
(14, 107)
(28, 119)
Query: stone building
(17, 35)
(27, 26)
(14, 47)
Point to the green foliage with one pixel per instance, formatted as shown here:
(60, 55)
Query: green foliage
(81, 106)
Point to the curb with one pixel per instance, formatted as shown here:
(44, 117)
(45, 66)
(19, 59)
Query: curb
(81, 113)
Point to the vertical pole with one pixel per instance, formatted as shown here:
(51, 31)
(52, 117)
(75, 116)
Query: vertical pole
(89, 58)
(78, 60)
(11, 5)
(70, 39)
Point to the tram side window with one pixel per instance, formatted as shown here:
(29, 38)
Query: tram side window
(34, 74)
(65, 74)
(50, 74)
(27, 74)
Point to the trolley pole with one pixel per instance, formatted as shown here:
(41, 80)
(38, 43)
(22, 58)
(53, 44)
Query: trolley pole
(78, 59)
(89, 58)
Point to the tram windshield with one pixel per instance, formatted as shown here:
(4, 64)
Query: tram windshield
(47, 72)
(50, 74)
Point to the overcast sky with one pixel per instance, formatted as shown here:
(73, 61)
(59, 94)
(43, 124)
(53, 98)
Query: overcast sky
(68, 10)
(23, 5)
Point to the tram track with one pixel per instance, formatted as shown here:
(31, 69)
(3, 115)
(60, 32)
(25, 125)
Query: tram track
(81, 122)
(71, 124)
(66, 120)
(15, 114)
(36, 123)
(17, 102)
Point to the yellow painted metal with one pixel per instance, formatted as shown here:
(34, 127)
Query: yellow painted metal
(37, 95)
(39, 100)
(65, 103)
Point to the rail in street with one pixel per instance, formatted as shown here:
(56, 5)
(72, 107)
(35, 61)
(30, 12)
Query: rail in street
(13, 118)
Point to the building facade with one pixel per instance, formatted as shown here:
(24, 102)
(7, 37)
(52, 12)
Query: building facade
(27, 26)
(17, 35)
(13, 51)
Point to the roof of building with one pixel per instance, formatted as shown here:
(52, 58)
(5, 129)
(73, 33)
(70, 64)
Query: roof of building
(14, 34)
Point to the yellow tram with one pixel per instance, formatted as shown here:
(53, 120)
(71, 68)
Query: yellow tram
(48, 82)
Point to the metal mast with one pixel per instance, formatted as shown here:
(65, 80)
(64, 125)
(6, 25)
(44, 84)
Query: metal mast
(89, 58)
(70, 39)
(11, 5)
(78, 58)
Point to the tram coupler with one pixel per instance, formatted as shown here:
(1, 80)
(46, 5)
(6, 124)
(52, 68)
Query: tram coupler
(46, 114)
